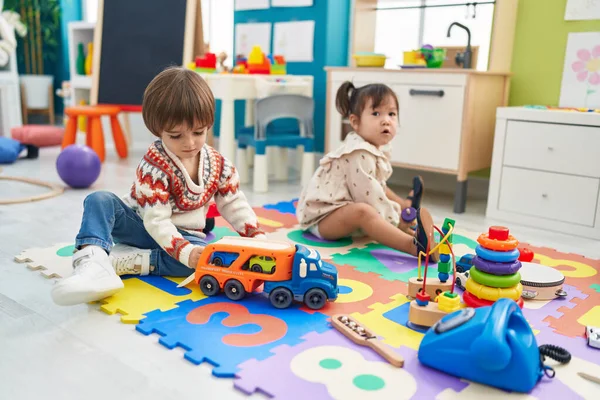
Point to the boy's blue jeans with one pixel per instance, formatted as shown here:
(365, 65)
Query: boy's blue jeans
(106, 219)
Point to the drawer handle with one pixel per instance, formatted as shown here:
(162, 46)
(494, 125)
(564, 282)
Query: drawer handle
(416, 92)
(550, 148)
(544, 195)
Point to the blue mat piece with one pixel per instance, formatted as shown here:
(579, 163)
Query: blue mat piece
(399, 315)
(225, 333)
(283, 207)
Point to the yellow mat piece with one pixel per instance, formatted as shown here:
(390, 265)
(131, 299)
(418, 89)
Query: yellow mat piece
(139, 297)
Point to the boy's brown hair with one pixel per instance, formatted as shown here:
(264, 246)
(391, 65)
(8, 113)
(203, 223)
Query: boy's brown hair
(177, 96)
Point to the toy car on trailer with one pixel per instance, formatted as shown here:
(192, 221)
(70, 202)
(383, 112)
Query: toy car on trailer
(295, 272)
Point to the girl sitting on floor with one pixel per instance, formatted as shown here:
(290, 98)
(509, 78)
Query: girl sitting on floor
(348, 194)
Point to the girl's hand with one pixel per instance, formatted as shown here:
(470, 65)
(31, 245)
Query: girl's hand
(195, 256)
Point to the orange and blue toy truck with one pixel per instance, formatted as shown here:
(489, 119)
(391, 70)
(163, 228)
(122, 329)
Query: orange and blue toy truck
(298, 274)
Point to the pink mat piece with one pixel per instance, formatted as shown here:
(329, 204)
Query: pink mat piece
(38, 135)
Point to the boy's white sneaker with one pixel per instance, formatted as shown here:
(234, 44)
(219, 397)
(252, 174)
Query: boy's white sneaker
(93, 279)
(128, 260)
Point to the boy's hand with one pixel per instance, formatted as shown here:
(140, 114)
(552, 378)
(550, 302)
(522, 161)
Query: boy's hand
(195, 256)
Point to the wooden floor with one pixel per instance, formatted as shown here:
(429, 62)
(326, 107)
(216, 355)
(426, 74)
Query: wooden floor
(51, 352)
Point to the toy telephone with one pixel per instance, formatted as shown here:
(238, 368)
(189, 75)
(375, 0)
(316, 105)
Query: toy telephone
(492, 345)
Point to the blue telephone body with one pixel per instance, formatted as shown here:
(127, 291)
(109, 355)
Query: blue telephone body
(492, 345)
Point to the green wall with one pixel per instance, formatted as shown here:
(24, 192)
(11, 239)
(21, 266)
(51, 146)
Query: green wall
(539, 51)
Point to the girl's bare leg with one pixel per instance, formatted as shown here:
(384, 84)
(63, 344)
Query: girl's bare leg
(348, 219)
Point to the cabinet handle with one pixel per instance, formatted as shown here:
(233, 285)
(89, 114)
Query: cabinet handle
(544, 195)
(416, 92)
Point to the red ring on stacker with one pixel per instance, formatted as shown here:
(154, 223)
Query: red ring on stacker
(473, 301)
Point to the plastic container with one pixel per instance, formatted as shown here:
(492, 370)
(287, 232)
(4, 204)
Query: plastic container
(413, 57)
(434, 57)
(369, 59)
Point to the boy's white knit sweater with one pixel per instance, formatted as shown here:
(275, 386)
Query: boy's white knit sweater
(167, 199)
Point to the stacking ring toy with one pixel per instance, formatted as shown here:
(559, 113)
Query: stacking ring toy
(491, 293)
(475, 302)
(496, 268)
(497, 281)
(497, 256)
(499, 245)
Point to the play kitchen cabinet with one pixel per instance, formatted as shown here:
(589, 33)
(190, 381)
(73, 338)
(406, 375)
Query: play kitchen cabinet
(446, 118)
(546, 170)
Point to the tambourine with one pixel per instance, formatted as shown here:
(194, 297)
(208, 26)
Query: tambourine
(541, 282)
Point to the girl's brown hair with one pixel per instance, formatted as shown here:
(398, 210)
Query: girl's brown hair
(177, 96)
(352, 100)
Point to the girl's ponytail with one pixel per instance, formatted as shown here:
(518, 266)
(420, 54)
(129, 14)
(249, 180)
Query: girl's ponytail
(342, 99)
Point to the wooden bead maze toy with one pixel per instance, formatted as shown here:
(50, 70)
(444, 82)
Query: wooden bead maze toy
(435, 286)
(426, 310)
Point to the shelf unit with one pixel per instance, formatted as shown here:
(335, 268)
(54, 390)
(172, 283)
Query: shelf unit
(81, 85)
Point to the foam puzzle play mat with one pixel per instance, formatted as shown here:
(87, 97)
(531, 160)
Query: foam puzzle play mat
(495, 317)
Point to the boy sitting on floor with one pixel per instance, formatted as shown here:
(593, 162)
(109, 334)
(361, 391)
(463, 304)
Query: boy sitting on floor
(158, 226)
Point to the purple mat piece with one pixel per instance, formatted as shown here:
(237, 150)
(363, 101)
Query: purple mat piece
(536, 317)
(576, 346)
(210, 237)
(396, 261)
(258, 376)
(430, 382)
(309, 236)
(553, 389)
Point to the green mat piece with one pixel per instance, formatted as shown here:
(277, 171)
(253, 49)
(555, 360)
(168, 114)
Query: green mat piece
(364, 261)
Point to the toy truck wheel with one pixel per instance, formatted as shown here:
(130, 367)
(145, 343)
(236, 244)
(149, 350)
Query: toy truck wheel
(234, 290)
(281, 298)
(209, 285)
(315, 299)
(217, 261)
(256, 268)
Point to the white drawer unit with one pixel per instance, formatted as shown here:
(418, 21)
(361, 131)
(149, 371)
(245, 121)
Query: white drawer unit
(546, 170)
(569, 149)
(549, 195)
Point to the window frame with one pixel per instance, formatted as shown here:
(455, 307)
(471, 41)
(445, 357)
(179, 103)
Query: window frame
(422, 22)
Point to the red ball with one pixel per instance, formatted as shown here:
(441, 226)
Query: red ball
(526, 254)
(498, 233)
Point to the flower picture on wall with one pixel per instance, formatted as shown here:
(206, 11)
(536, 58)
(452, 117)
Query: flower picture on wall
(581, 72)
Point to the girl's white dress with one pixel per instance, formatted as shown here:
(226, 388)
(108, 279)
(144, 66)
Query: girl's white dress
(356, 172)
